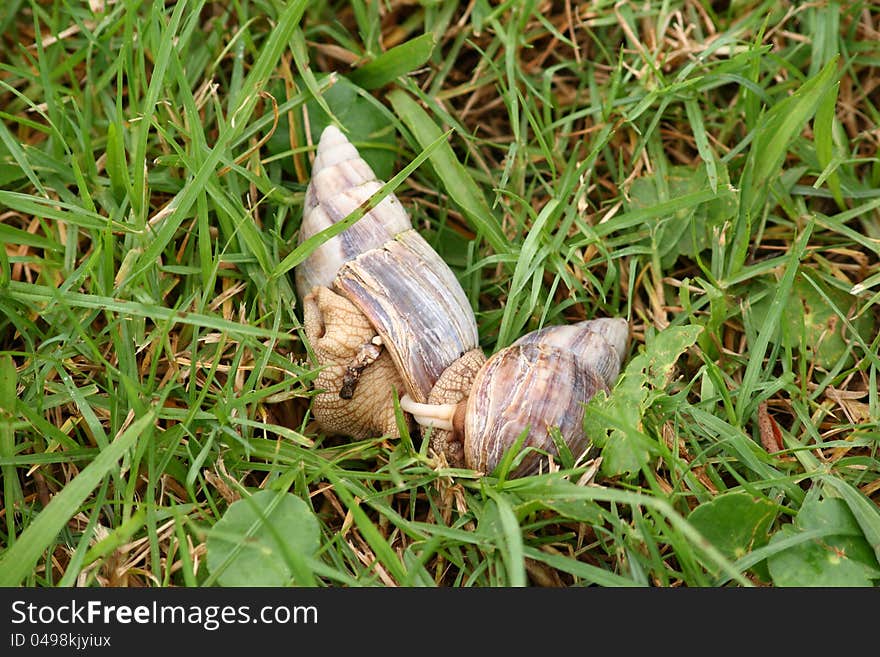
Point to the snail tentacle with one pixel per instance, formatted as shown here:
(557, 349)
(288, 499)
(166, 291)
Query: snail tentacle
(438, 416)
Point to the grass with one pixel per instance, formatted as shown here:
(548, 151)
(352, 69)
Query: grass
(708, 170)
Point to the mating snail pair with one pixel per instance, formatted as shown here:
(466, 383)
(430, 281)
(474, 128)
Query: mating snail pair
(383, 312)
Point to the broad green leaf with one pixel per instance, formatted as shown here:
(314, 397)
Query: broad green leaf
(255, 541)
(818, 563)
(614, 423)
(663, 350)
(841, 558)
(398, 61)
(689, 228)
(864, 511)
(19, 560)
(829, 514)
(736, 523)
(810, 318)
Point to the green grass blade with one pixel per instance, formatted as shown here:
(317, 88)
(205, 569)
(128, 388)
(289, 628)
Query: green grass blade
(264, 68)
(19, 560)
(509, 540)
(695, 116)
(59, 211)
(16, 236)
(772, 140)
(156, 85)
(771, 323)
(43, 294)
(117, 168)
(823, 128)
(398, 61)
(14, 147)
(180, 206)
(458, 184)
(529, 263)
(12, 494)
(783, 122)
(585, 571)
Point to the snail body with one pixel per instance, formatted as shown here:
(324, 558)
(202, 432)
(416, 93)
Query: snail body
(383, 313)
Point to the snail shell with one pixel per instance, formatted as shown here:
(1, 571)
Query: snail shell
(542, 380)
(384, 312)
(341, 181)
(599, 344)
(538, 384)
(420, 316)
(417, 306)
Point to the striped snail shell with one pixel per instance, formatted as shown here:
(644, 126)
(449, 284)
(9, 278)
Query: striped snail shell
(538, 384)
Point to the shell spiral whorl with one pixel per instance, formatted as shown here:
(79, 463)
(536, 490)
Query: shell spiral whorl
(341, 181)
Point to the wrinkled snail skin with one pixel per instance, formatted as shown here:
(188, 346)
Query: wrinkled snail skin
(451, 389)
(541, 381)
(382, 311)
(358, 416)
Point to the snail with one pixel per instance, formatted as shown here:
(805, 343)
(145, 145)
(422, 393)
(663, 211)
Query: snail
(540, 382)
(384, 313)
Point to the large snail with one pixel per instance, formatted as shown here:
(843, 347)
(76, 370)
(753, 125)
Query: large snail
(384, 313)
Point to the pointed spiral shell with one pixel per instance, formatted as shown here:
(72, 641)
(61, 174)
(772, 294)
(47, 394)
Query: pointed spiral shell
(341, 181)
(384, 267)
